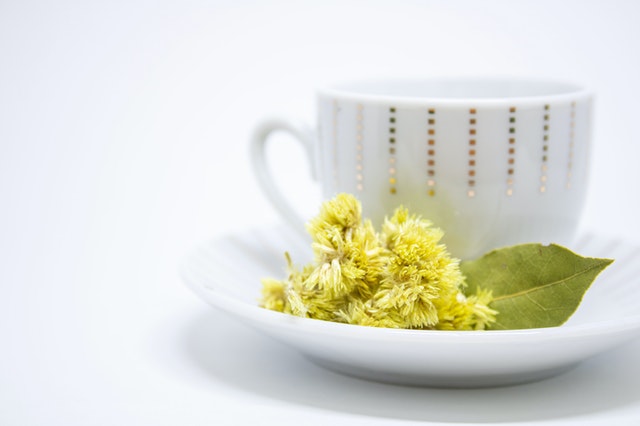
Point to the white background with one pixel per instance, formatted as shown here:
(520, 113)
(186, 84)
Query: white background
(123, 142)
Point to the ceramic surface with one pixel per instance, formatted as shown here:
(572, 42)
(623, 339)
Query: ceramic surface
(494, 162)
(226, 273)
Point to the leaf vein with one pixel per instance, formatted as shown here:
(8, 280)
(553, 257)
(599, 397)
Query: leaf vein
(542, 287)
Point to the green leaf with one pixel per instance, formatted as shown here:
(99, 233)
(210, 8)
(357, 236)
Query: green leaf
(533, 285)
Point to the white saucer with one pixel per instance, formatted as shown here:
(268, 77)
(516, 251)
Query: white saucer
(226, 273)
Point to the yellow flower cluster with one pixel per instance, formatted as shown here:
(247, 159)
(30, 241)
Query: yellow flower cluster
(402, 277)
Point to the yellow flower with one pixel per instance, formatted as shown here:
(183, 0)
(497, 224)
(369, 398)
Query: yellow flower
(273, 295)
(419, 271)
(348, 255)
(401, 278)
(459, 312)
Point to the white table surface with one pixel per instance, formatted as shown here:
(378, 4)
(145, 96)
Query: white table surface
(123, 136)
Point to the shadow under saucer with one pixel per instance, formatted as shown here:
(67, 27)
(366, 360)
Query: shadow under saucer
(227, 351)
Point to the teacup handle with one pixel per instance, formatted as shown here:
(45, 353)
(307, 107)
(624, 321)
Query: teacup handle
(303, 134)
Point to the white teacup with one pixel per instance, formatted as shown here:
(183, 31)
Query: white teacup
(492, 162)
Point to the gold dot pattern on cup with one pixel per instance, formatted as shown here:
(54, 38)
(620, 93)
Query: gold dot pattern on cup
(471, 170)
(334, 143)
(544, 168)
(359, 148)
(511, 153)
(431, 152)
(392, 151)
(572, 129)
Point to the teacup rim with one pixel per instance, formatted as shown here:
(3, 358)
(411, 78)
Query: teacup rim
(345, 90)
